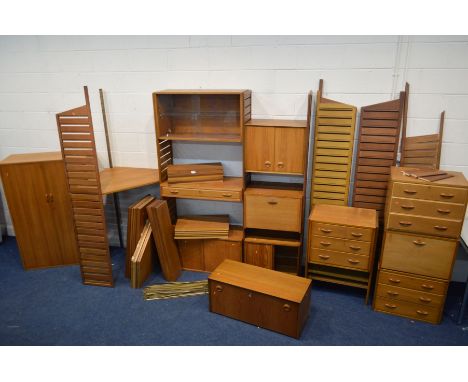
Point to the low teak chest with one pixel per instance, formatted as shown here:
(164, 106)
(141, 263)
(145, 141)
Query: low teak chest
(269, 299)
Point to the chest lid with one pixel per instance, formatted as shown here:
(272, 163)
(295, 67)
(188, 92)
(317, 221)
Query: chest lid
(261, 280)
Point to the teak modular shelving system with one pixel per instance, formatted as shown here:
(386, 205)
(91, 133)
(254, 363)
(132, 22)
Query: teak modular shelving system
(208, 116)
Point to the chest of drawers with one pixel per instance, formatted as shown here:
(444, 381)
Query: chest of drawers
(269, 299)
(423, 221)
(341, 245)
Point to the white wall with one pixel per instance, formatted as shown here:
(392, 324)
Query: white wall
(40, 76)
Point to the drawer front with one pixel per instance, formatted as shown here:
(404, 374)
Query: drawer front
(419, 255)
(409, 295)
(423, 225)
(356, 233)
(407, 309)
(329, 243)
(428, 208)
(411, 282)
(234, 196)
(358, 247)
(282, 214)
(254, 308)
(429, 192)
(340, 259)
(329, 230)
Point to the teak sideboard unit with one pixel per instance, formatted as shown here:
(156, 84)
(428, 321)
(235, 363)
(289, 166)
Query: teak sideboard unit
(423, 221)
(333, 151)
(262, 297)
(274, 211)
(341, 245)
(379, 135)
(40, 207)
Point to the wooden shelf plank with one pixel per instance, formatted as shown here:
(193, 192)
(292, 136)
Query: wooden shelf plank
(126, 178)
(202, 137)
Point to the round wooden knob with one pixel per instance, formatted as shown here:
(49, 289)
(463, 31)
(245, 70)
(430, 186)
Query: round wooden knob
(286, 307)
(218, 288)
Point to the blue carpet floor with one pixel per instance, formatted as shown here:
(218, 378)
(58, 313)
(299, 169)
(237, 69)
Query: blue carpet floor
(52, 307)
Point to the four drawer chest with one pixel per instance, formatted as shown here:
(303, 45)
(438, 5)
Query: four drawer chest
(423, 221)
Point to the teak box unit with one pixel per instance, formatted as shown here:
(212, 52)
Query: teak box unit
(259, 296)
(423, 221)
(41, 210)
(201, 115)
(341, 245)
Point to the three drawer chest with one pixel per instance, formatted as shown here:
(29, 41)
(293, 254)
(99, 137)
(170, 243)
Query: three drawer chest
(423, 221)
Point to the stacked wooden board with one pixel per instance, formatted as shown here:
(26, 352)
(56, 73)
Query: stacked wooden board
(202, 227)
(142, 259)
(333, 151)
(163, 234)
(78, 147)
(199, 172)
(377, 152)
(137, 217)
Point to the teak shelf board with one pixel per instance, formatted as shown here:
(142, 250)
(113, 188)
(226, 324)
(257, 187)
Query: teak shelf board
(341, 215)
(201, 91)
(261, 280)
(273, 241)
(339, 281)
(203, 137)
(275, 192)
(32, 158)
(457, 179)
(126, 178)
(277, 123)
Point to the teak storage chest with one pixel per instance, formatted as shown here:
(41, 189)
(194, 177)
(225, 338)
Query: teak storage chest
(423, 221)
(269, 299)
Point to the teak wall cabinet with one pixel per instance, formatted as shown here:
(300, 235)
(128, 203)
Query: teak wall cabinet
(37, 197)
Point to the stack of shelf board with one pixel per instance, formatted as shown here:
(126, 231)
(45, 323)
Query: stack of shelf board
(377, 152)
(333, 151)
(137, 217)
(202, 227)
(142, 259)
(195, 172)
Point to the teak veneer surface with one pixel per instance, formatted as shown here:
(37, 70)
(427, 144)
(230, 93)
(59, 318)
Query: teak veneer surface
(274, 192)
(457, 179)
(201, 91)
(277, 123)
(261, 280)
(126, 178)
(342, 215)
(32, 158)
(228, 183)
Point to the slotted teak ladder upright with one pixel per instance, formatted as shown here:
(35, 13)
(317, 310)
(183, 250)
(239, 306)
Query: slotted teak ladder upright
(81, 167)
(333, 151)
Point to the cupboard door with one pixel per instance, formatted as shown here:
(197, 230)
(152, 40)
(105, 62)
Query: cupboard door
(214, 253)
(260, 255)
(26, 194)
(259, 148)
(62, 227)
(234, 250)
(289, 150)
(191, 254)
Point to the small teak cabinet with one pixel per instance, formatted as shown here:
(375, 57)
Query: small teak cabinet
(38, 201)
(275, 146)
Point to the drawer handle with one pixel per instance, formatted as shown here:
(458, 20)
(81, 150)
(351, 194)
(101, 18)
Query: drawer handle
(405, 223)
(425, 299)
(226, 195)
(425, 286)
(395, 281)
(267, 163)
(280, 164)
(286, 308)
(442, 211)
(422, 312)
(174, 192)
(448, 196)
(324, 257)
(411, 192)
(218, 288)
(324, 230)
(392, 293)
(419, 242)
(405, 207)
(272, 202)
(440, 228)
(356, 234)
(325, 243)
(391, 306)
(354, 247)
(353, 261)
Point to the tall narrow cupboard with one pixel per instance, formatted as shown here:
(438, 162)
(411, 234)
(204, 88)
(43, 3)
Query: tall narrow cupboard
(40, 209)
